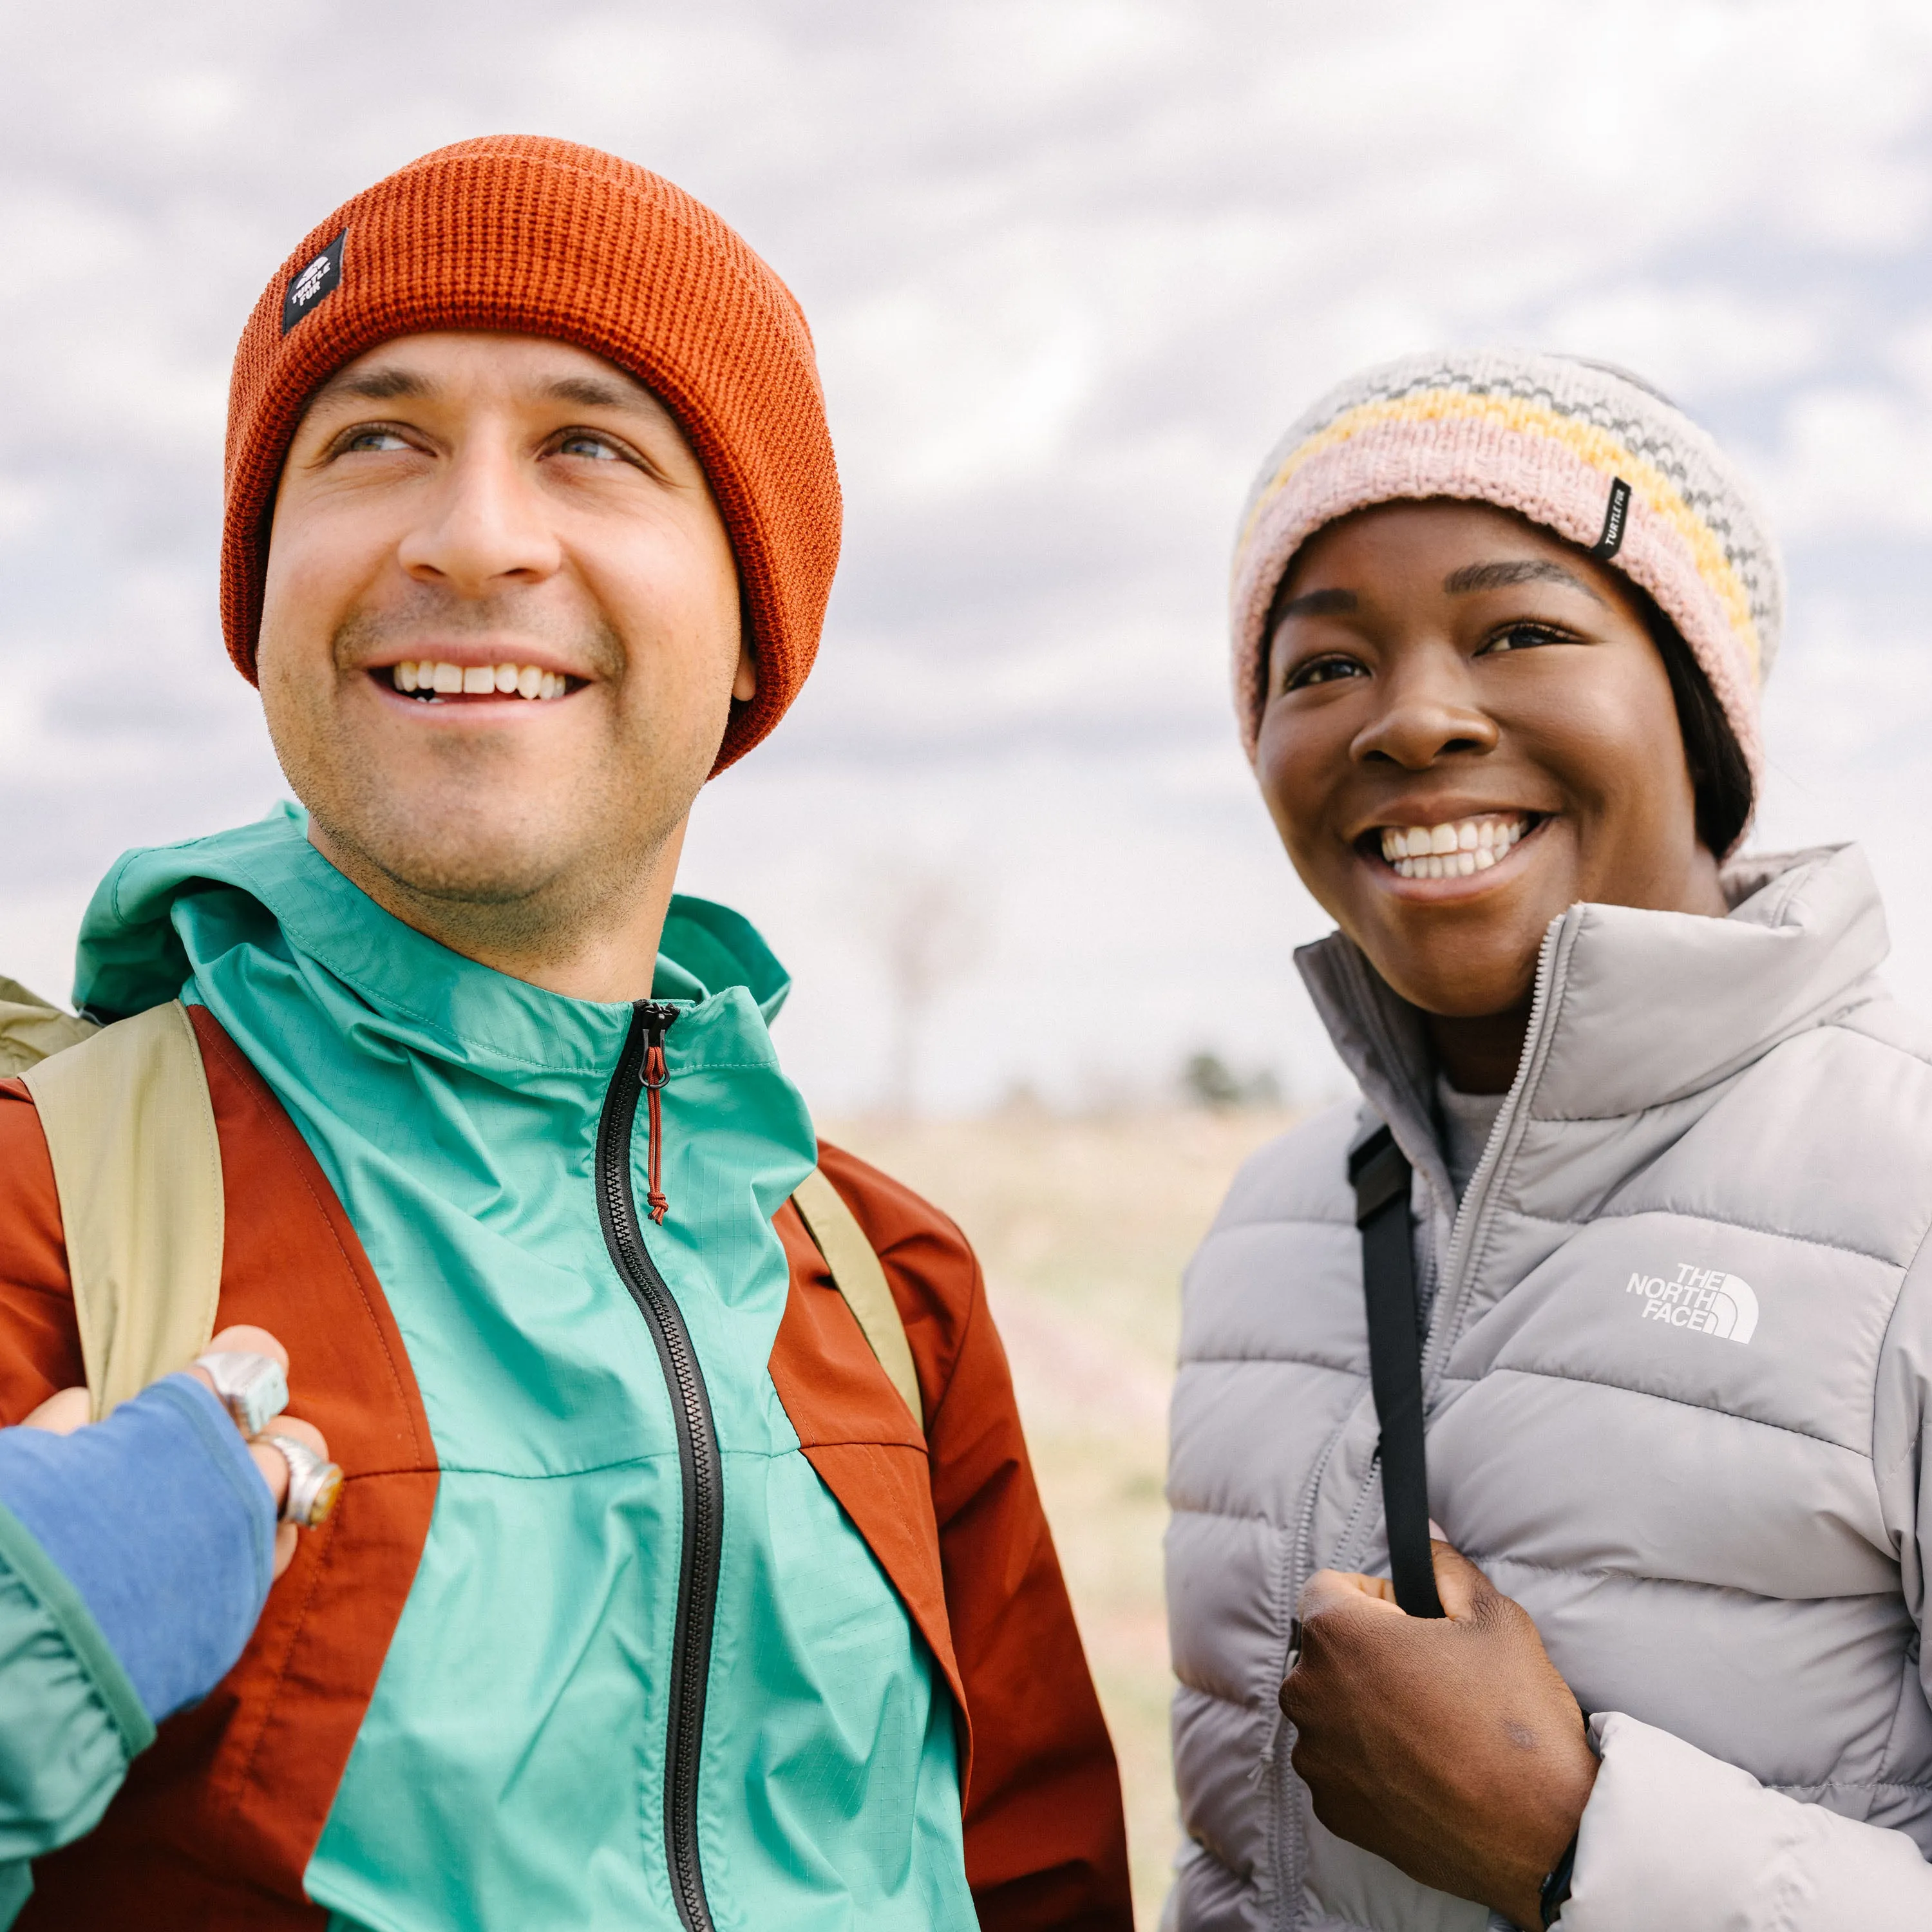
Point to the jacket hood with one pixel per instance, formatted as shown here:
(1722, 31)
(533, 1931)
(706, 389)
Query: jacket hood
(132, 954)
(1634, 1008)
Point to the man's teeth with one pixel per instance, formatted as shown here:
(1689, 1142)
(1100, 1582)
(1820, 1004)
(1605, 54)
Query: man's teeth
(1457, 850)
(478, 680)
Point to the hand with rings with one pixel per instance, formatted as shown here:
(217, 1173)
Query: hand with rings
(246, 1368)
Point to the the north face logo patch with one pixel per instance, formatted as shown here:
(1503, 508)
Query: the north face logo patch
(309, 284)
(1707, 1299)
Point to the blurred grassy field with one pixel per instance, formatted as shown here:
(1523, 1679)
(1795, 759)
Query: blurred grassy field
(1083, 1227)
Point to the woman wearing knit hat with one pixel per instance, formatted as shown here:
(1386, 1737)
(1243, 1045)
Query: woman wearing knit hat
(1549, 1446)
(689, 1570)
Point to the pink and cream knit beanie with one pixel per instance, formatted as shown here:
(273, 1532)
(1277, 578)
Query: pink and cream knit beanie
(1585, 450)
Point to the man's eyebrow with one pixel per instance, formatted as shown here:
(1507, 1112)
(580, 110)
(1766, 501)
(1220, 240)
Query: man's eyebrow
(616, 391)
(1317, 604)
(602, 392)
(374, 386)
(1521, 570)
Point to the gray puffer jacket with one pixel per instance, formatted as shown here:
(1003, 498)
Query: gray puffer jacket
(1677, 1371)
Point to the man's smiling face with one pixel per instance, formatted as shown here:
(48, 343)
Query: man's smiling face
(501, 631)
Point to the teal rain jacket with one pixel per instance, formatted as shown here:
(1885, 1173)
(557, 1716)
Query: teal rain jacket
(557, 1662)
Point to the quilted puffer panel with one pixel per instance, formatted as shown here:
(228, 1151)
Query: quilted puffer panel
(1677, 1374)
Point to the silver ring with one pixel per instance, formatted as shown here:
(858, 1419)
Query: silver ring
(253, 1389)
(313, 1484)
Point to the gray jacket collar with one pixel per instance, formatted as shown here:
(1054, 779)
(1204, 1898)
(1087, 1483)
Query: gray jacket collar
(1633, 1010)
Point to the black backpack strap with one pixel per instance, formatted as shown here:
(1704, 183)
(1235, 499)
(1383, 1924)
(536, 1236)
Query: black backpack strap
(1380, 1174)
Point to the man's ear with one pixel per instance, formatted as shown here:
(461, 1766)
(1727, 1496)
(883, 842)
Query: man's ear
(744, 686)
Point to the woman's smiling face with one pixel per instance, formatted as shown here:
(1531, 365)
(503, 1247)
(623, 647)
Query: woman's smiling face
(1468, 729)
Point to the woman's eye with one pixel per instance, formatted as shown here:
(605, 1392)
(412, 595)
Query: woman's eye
(1323, 670)
(1521, 638)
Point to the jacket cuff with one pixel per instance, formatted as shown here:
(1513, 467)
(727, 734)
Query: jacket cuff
(159, 1520)
(1672, 1837)
(16, 1887)
(21, 1554)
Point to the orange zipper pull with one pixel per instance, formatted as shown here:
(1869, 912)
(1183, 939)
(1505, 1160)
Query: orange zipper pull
(658, 1020)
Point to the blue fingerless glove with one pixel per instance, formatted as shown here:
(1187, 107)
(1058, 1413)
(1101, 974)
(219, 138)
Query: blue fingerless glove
(161, 1522)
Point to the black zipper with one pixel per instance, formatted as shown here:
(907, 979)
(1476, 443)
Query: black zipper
(698, 1458)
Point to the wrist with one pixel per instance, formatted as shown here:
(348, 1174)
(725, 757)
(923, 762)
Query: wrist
(1542, 1882)
(1555, 1892)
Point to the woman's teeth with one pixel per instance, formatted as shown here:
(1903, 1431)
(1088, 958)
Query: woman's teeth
(1457, 850)
(436, 680)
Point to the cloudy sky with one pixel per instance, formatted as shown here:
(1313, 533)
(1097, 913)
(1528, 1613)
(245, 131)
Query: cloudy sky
(1072, 265)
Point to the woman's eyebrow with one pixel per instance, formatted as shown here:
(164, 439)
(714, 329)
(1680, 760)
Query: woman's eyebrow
(1521, 570)
(1317, 604)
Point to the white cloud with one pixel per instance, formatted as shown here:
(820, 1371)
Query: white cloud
(1071, 269)
(1855, 463)
(1699, 339)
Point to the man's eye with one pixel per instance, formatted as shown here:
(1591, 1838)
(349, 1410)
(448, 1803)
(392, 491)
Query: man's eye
(1323, 670)
(599, 448)
(1521, 637)
(371, 439)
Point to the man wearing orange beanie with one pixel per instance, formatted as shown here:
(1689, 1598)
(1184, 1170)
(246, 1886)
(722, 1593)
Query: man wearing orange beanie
(652, 1599)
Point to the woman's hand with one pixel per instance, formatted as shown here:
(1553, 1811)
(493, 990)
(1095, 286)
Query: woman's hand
(63, 1414)
(1450, 1747)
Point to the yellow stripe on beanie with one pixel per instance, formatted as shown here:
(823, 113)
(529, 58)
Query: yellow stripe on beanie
(1584, 440)
(1546, 437)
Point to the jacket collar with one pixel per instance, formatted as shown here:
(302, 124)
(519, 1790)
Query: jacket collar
(1633, 1010)
(167, 913)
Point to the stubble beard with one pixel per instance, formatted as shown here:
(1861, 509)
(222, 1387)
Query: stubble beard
(465, 854)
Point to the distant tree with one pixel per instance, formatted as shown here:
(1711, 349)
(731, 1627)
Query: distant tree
(1207, 1081)
(930, 929)
(1265, 1087)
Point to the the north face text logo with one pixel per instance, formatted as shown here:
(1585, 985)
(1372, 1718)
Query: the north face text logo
(308, 285)
(1707, 1300)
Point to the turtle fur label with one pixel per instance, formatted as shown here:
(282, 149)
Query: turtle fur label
(1616, 514)
(1706, 1299)
(309, 284)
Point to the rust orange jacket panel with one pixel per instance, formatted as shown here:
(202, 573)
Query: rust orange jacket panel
(1045, 1842)
(217, 1822)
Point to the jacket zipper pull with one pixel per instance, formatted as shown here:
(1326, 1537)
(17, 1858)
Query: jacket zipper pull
(658, 1020)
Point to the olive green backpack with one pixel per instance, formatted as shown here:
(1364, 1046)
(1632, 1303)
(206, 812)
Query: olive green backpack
(137, 1165)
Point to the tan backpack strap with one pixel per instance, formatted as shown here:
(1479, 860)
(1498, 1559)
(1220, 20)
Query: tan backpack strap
(31, 1029)
(137, 1165)
(856, 1274)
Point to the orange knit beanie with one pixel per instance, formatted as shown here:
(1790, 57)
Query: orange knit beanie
(545, 238)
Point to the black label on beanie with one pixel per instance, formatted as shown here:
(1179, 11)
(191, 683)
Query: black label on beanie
(1616, 515)
(308, 286)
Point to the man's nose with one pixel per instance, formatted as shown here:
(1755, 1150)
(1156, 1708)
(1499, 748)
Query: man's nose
(1427, 709)
(484, 525)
